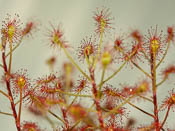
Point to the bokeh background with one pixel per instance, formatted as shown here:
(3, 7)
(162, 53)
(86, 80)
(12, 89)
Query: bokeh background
(75, 17)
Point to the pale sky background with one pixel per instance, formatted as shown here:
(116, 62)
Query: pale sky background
(77, 23)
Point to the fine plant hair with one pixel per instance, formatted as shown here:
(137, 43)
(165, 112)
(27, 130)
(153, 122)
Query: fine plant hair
(90, 100)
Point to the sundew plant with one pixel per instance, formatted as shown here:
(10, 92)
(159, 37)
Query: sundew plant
(85, 92)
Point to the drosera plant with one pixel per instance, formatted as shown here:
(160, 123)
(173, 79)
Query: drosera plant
(62, 96)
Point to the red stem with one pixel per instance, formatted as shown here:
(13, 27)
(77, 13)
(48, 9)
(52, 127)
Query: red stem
(10, 93)
(96, 101)
(154, 90)
(167, 113)
(65, 117)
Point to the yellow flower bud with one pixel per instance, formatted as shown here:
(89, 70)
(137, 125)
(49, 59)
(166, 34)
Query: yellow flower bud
(154, 45)
(21, 82)
(106, 58)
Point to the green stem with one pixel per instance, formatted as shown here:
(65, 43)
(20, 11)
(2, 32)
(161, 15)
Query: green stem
(141, 69)
(110, 77)
(118, 107)
(10, 59)
(70, 94)
(17, 45)
(82, 118)
(3, 93)
(53, 114)
(140, 109)
(136, 65)
(74, 99)
(160, 83)
(1, 66)
(136, 107)
(74, 63)
(5, 113)
(154, 89)
(102, 78)
(145, 98)
(99, 50)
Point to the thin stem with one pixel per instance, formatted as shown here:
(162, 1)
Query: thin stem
(137, 107)
(87, 60)
(70, 94)
(68, 81)
(96, 100)
(1, 66)
(74, 63)
(161, 82)
(110, 77)
(129, 57)
(154, 89)
(53, 114)
(82, 118)
(166, 51)
(145, 55)
(27, 94)
(5, 113)
(10, 93)
(102, 78)
(13, 49)
(20, 106)
(10, 59)
(140, 109)
(74, 99)
(16, 46)
(65, 117)
(22, 98)
(3, 93)
(166, 116)
(118, 107)
(136, 65)
(145, 98)
(99, 49)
